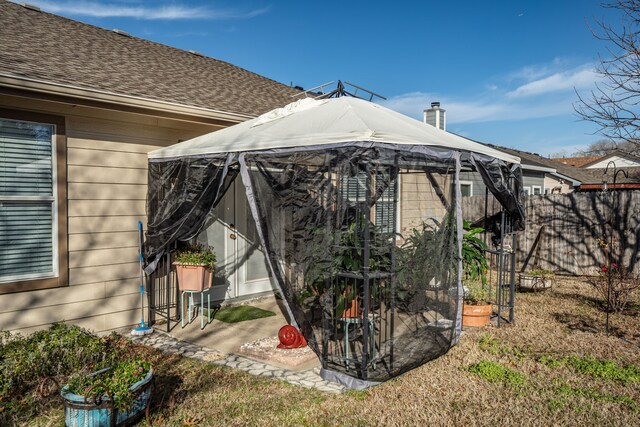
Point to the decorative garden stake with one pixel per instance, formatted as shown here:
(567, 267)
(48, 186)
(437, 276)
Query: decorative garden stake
(612, 217)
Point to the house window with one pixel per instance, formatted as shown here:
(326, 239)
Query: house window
(30, 232)
(386, 208)
(527, 190)
(466, 187)
(537, 190)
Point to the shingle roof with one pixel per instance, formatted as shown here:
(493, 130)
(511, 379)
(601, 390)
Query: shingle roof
(577, 161)
(43, 46)
(585, 176)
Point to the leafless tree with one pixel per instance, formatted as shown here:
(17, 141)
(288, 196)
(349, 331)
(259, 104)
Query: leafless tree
(606, 146)
(614, 105)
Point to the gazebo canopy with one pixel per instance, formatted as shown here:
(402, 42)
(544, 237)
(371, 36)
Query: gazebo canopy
(310, 122)
(358, 210)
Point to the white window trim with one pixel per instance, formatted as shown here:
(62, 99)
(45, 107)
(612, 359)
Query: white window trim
(470, 184)
(533, 190)
(54, 214)
(527, 190)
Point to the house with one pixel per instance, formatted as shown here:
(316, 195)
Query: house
(563, 177)
(620, 158)
(80, 107)
(539, 175)
(546, 176)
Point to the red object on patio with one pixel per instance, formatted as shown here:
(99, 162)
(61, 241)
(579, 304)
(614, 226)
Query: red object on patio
(290, 337)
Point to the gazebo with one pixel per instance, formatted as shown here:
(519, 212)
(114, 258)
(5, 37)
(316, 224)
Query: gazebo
(358, 211)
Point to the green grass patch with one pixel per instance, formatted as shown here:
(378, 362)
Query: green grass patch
(241, 313)
(496, 373)
(603, 369)
(564, 392)
(493, 346)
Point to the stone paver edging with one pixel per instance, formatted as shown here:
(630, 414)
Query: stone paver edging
(168, 344)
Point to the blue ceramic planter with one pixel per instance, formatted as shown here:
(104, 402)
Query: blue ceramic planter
(82, 412)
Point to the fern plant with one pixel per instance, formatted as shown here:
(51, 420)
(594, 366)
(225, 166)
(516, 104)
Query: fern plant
(474, 260)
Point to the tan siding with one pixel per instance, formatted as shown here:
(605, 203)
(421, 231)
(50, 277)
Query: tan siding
(107, 208)
(94, 143)
(69, 312)
(92, 241)
(60, 296)
(105, 158)
(103, 224)
(91, 191)
(96, 257)
(84, 275)
(418, 202)
(100, 174)
(107, 177)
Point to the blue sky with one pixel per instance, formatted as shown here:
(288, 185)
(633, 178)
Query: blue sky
(506, 71)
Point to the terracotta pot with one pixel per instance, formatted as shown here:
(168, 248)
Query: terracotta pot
(476, 315)
(192, 277)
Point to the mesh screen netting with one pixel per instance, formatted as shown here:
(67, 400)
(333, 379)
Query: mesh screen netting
(374, 292)
(361, 239)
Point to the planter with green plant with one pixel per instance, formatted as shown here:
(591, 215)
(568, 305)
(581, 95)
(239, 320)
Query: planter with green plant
(195, 266)
(476, 309)
(113, 396)
(536, 280)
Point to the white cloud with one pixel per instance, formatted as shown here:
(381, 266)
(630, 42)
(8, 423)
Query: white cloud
(171, 11)
(483, 108)
(543, 90)
(563, 81)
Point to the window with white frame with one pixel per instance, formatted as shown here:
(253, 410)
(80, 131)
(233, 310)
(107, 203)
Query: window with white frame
(527, 190)
(537, 190)
(466, 187)
(28, 205)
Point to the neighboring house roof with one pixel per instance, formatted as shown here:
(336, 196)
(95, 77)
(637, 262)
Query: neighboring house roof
(588, 179)
(619, 157)
(577, 162)
(37, 46)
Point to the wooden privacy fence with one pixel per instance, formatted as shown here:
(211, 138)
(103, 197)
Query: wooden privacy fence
(574, 231)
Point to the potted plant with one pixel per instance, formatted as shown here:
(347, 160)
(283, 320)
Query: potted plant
(476, 309)
(536, 280)
(195, 266)
(109, 397)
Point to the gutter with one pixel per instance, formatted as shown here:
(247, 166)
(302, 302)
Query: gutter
(58, 89)
(620, 186)
(537, 168)
(574, 182)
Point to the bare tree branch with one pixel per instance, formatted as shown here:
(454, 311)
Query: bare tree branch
(614, 104)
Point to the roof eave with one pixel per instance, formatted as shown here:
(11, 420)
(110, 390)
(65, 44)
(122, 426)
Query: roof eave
(53, 88)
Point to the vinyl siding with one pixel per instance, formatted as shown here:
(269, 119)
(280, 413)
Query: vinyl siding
(106, 191)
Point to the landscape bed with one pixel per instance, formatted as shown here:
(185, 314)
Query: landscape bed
(555, 366)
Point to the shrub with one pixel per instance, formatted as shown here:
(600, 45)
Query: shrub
(57, 351)
(624, 286)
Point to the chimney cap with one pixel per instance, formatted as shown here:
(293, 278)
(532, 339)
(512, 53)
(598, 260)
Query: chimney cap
(435, 104)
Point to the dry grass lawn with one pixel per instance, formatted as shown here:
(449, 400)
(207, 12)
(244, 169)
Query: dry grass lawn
(526, 378)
